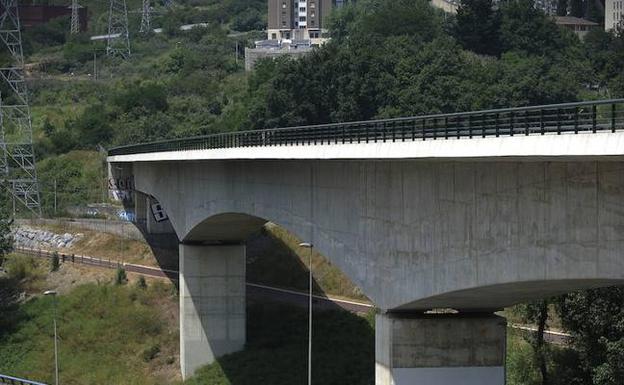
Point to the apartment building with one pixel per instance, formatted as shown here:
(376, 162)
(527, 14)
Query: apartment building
(298, 19)
(614, 14)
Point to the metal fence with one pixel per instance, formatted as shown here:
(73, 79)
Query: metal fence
(593, 116)
(8, 380)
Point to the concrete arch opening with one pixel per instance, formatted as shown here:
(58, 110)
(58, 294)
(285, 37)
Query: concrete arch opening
(225, 260)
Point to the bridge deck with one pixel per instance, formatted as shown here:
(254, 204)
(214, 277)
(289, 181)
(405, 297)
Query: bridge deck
(562, 130)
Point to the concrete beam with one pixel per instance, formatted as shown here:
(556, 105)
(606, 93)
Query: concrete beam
(444, 349)
(212, 304)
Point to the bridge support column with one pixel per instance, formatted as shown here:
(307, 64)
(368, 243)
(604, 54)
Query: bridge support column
(212, 303)
(467, 349)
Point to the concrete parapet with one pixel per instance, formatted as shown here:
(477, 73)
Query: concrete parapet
(212, 303)
(440, 349)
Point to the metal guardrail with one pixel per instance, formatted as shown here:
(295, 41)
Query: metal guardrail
(8, 380)
(592, 116)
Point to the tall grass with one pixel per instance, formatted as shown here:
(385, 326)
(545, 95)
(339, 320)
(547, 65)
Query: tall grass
(104, 332)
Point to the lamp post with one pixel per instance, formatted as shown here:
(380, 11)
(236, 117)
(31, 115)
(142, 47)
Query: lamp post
(56, 363)
(309, 247)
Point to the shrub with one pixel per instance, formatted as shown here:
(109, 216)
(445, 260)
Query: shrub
(151, 352)
(121, 277)
(55, 262)
(141, 283)
(19, 268)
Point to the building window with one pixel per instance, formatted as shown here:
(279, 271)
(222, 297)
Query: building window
(302, 9)
(302, 18)
(284, 5)
(312, 5)
(311, 23)
(273, 36)
(312, 14)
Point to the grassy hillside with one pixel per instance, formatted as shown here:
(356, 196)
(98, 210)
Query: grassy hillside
(108, 334)
(128, 334)
(276, 353)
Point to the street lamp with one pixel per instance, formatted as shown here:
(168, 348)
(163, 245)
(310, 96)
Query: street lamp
(56, 364)
(309, 246)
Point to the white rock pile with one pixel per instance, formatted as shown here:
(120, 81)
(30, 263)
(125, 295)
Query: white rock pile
(25, 236)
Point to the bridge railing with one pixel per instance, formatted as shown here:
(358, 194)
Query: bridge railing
(8, 380)
(592, 116)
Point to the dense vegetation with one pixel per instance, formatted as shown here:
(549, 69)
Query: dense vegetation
(108, 334)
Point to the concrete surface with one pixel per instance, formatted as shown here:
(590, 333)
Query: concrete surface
(212, 303)
(444, 349)
(417, 234)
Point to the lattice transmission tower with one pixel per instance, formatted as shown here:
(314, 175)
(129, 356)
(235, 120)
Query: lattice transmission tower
(146, 17)
(75, 17)
(118, 41)
(17, 158)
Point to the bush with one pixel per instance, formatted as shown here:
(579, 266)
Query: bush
(121, 277)
(55, 262)
(151, 352)
(19, 268)
(141, 283)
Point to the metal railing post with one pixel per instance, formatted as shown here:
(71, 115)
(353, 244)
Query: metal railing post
(594, 118)
(511, 123)
(613, 117)
(496, 125)
(576, 120)
(483, 125)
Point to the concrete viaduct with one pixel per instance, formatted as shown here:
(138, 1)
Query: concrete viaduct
(471, 211)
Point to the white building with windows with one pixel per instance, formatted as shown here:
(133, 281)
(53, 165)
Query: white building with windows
(614, 14)
(298, 20)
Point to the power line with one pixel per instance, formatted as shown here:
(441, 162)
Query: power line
(118, 39)
(146, 17)
(75, 18)
(17, 158)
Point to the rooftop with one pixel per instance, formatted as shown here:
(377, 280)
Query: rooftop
(571, 20)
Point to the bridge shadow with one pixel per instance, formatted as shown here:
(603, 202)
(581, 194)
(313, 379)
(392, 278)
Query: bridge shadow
(276, 351)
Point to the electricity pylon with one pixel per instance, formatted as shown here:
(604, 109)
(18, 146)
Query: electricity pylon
(118, 41)
(17, 160)
(75, 18)
(146, 22)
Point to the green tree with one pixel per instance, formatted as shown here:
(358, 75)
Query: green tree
(120, 276)
(93, 126)
(537, 313)
(55, 262)
(477, 26)
(595, 319)
(526, 28)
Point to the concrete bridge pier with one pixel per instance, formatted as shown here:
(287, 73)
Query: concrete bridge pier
(212, 303)
(441, 349)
